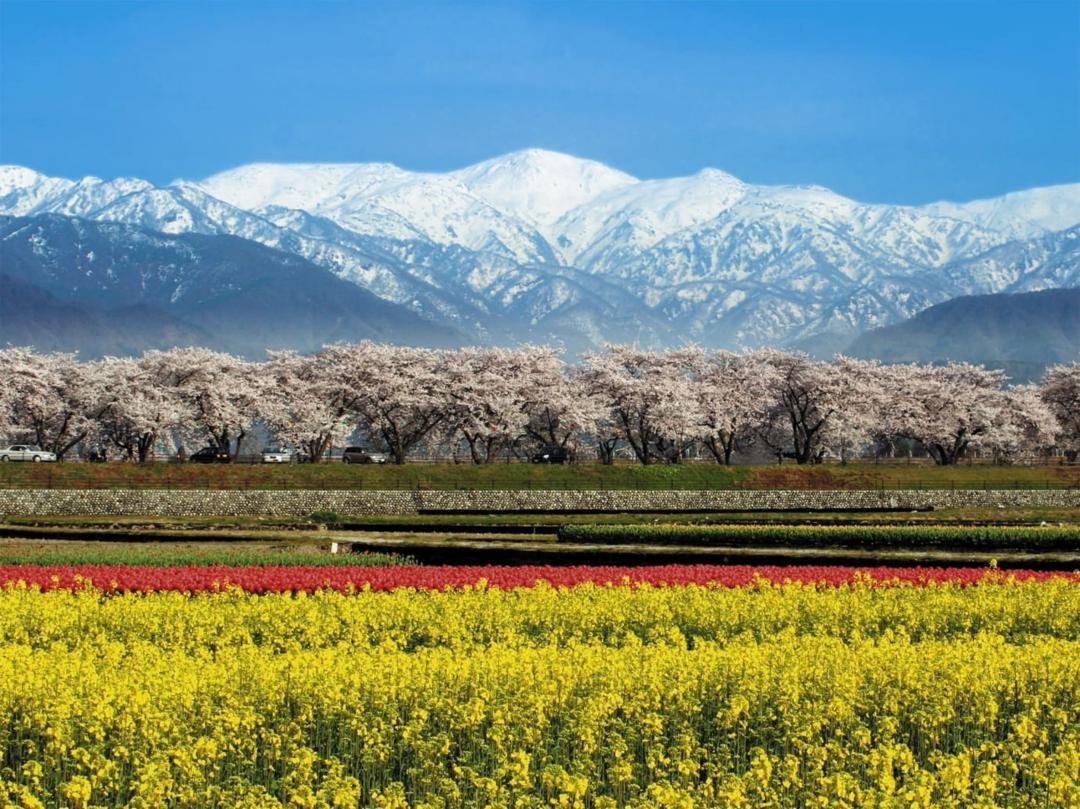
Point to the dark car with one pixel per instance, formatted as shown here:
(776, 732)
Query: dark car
(210, 455)
(551, 455)
(361, 455)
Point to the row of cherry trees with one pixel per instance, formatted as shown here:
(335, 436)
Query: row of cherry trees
(493, 402)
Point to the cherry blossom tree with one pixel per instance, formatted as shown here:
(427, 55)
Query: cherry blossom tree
(648, 395)
(1060, 389)
(815, 403)
(558, 412)
(136, 405)
(219, 393)
(398, 395)
(592, 405)
(50, 398)
(489, 390)
(862, 400)
(7, 393)
(732, 393)
(302, 404)
(949, 409)
(661, 404)
(1024, 423)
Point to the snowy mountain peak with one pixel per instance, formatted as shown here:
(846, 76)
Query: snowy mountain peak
(540, 185)
(718, 177)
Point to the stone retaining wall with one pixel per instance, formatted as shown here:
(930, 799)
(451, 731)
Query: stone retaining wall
(195, 502)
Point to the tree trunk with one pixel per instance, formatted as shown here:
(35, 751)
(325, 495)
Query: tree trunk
(315, 448)
(714, 449)
(145, 444)
(605, 447)
(637, 439)
(239, 441)
(473, 440)
(63, 449)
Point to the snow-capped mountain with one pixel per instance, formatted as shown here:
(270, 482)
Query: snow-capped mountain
(542, 246)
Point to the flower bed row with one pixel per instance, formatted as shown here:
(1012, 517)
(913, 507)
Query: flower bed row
(1057, 538)
(276, 579)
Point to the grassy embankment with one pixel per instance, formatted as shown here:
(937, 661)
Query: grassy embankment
(531, 476)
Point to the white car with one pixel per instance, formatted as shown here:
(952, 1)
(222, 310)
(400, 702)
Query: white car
(26, 452)
(278, 455)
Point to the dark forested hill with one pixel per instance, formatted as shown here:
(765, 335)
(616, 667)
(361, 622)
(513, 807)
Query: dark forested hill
(1022, 333)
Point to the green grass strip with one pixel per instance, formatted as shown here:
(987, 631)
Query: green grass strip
(158, 556)
(1065, 538)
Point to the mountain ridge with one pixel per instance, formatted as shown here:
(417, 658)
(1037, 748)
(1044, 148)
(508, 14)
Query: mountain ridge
(491, 250)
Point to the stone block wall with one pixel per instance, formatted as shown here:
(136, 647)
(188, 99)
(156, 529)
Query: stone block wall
(197, 502)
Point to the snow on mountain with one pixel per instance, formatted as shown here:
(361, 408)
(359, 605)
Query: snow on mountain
(1020, 214)
(922, 240)
(540, 186)
(538, 245)
(616, 231)
(1051, 261)
(307, 186)
(445, 212)
(383, 200)
(633, 217)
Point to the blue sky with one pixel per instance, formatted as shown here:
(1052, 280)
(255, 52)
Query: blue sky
(882, 101)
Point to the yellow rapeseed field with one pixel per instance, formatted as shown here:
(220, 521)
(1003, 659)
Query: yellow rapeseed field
(592, 696)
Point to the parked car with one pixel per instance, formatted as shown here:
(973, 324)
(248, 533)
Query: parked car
(552, 454)
(210, 455)
(26, 452)
(278, 455)
(361, 455)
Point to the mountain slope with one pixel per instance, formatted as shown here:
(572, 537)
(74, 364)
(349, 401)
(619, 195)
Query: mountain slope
(1045, 262)
(245, 296)
(1021, 332)
(31, 316)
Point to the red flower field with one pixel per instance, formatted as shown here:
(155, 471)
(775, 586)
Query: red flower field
(273, 579)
